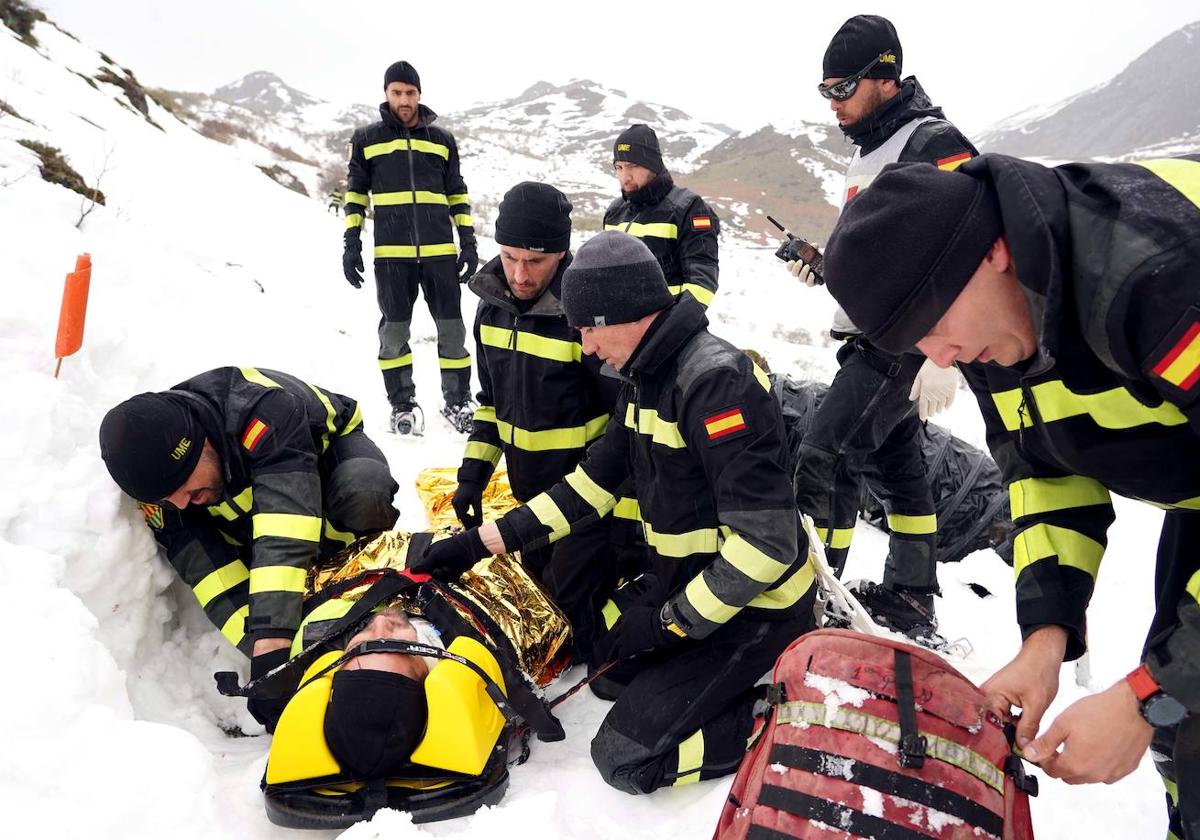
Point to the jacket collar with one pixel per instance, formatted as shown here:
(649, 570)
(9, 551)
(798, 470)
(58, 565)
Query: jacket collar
(674, 327)
(492, 288)
(873, 130)
(652, 193)
(425, 118)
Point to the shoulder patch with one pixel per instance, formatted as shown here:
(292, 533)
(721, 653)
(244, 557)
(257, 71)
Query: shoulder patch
(1176, 360)
(255, 432)
(954, 161)
(725, 424)
(701, 222)
(153, 515)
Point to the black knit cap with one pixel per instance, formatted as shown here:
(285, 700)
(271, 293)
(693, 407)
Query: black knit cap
(861, 40)
(151, 443)
(639, 144)
(404, 72)
(536, 217)
(614, 279)
(905, 248)
(374, 721)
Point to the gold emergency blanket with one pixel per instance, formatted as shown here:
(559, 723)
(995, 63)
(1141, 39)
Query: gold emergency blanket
(436, 486)
(499, 586)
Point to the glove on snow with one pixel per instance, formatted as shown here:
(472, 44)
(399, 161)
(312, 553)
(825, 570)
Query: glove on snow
(352, 264)
(447, 559)
(934, 388)
(468, 503)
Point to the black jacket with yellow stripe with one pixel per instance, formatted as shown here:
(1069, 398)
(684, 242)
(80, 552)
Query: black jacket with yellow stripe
(698, 430)
(541, 400)
(1109, 257)
(678, 228)
(414, 184)
(271, 430)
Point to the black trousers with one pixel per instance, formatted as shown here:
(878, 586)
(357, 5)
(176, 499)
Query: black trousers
(685, 714)
(1176, 750)
(867, 414)
(397, 282)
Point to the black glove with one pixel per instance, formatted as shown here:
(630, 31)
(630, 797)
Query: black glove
(447, 559)
(352, 264)
(639, 629)
(468, 259)
(267, 710)
(468, 503)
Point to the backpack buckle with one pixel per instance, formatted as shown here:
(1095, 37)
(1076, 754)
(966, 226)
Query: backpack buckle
(776, 694)
(912, 751)
(1027, 783)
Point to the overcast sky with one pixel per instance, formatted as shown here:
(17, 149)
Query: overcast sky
(744, 63)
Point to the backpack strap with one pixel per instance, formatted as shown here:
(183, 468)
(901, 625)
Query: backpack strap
(912, 743)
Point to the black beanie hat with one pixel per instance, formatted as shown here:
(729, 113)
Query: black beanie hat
(151, 443)
(404, 72)
(374, 720)
(614, 279)
(861, 40)
(536, 217)
(639, 144)
(905, 248)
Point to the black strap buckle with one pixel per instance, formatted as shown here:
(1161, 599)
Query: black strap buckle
(913, 744)
(776, 694)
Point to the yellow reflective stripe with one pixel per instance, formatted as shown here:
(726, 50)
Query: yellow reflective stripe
(483, 452)
(485, 414)
(699, 541)
(463, 220)
(458, 198)
(571, 437)
(787, 593)
(399, 361)
(355, 421)
(1193, 586)
(454, 364)
(331, 533)
(710, 607)
(234, 628)
(761, 376)
(555, 349)
(1183, 175)
(699, 292)
(357, 198)
(841, 537)
(220, 581)
(902, 523)
(628, 508)
(277, 578)
(691, 757)
(258, 377)
(661, 230)
(241, 503)
(354, 220)
(751, 562)
(330, 415)
(611, 613)
(441, 249)
(391, 199)
(403, 145)
(662, 432)
(1070, 547)
(590, 491)
(294, 526)
(548, 514)
(1115, 408)
(1032, 496)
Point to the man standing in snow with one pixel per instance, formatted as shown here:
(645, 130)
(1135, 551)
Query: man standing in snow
(246, 478)
(867, 412)
(410, 169)
(730, 584)
(675, 223)
(1081, 286)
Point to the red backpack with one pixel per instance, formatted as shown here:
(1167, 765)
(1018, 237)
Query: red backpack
(869, 737)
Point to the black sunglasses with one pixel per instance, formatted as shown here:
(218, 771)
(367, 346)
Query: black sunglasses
(843, 90)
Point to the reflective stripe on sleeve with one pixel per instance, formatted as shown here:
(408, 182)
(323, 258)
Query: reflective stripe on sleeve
(295, 526)
(1072, 548)
(1032, 496)
(277, 579)
(219, 581)
(600, 499)
(234, 628)
(481, 451)
(548, 514)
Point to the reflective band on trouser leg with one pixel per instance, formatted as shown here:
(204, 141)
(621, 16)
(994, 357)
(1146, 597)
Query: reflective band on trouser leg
(840, 538)
(391, 364)
(454, 364)
(691, 757)
(900, 523)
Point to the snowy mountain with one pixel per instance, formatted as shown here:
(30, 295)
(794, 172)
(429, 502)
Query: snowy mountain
(1147, 109)
(110, 724)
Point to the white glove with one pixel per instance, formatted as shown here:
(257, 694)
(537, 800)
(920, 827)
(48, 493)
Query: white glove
(803, 272)
(934, 388)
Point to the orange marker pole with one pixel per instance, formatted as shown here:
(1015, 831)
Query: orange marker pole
(74, 310)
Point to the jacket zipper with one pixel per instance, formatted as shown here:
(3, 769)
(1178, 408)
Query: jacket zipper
(412, 185)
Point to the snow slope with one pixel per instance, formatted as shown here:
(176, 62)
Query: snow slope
(110, 723)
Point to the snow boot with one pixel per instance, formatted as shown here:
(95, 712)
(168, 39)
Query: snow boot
(408, 419)
(460, 415)
(910, 613)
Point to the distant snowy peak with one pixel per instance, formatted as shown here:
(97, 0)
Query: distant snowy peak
(265, 93)
(1147, 106)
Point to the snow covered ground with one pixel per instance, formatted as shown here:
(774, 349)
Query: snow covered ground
(109, 721)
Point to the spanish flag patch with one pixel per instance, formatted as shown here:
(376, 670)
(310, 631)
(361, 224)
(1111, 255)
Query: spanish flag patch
(254, 434)
(954, 161)
(1177, 360)
(701, 223)
(725, 424)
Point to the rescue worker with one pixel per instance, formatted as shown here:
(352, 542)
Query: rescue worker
(246, 477)
(867, 412)
(336, 199)
(674, 223)
(409, 167)
(698, 430)
(1080, 285)
(542, 401)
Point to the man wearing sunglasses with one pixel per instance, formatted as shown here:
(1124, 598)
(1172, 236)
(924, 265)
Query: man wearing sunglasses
(868, 411)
